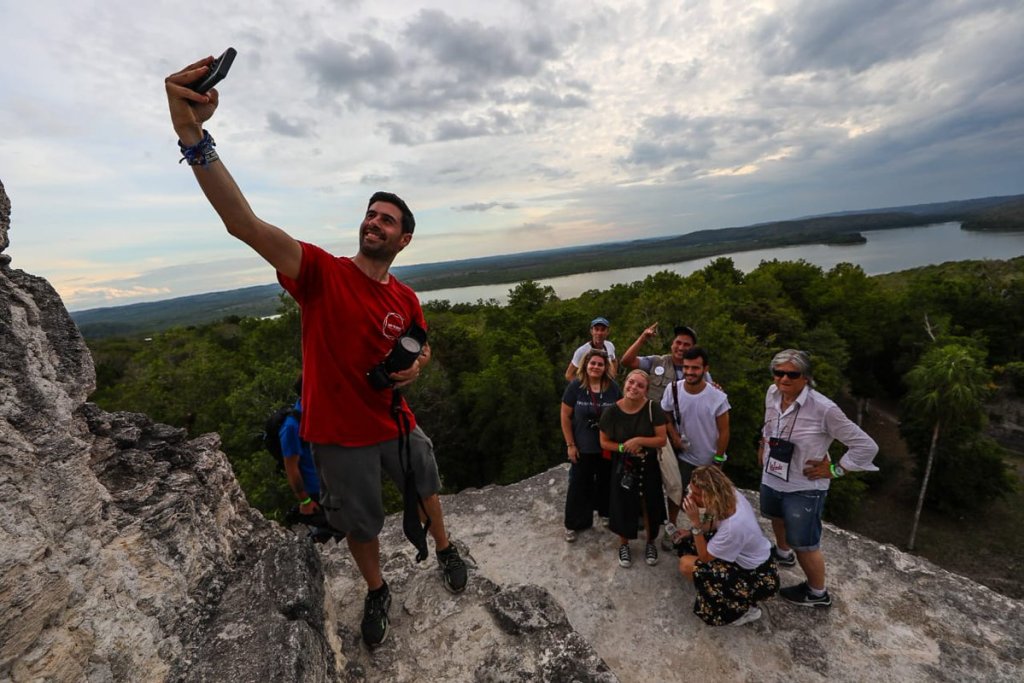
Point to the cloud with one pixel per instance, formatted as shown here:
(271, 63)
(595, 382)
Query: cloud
(482, 53)
(492, 124)
(339, 66)
(485, 206)
(294, 128)
(687, 142)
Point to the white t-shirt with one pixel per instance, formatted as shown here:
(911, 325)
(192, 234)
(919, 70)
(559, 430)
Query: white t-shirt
(577, 357)
(739, 538)
(698, 415)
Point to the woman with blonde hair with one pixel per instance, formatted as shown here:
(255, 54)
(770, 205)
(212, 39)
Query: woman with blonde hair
(726, 555)
(584, 401)
(633, 430)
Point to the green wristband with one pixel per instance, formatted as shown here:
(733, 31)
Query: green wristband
(622, 448)
(721, 458)
(309, 499)
(832, 469)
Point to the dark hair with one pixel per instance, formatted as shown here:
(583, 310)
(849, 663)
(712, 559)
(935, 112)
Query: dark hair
(408, 220)
(683, 329)
(696, 352)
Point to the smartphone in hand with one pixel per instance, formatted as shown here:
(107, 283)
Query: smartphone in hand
(218, 70)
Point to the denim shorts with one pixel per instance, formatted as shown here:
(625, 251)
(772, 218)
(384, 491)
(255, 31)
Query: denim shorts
(350, 481)
(800, 511)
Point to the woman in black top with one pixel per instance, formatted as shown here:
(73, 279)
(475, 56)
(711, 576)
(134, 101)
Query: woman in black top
(634, 429)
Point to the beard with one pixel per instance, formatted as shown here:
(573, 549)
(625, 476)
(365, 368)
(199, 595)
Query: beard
(378, 249)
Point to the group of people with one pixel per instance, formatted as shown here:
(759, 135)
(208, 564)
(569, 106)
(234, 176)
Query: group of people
(640, 455)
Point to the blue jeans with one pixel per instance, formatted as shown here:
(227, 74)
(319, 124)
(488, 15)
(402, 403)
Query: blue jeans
(800, 511)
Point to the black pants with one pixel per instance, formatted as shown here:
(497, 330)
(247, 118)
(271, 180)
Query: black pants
(626, 507)
(589, 479)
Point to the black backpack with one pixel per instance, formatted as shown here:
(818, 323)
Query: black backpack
(272, 430)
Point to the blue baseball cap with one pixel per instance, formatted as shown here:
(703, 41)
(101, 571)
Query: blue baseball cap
(600, 321)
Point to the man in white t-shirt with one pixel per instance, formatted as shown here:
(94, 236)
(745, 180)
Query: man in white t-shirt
(699, 410)
(598, 340)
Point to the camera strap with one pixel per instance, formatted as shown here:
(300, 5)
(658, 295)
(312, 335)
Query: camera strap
(594, 403)
(675, 406)
(412, 502)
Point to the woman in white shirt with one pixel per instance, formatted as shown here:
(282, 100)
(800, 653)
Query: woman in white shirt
(731, 567)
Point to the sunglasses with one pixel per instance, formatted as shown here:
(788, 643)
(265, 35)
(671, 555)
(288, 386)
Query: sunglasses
(792, 374)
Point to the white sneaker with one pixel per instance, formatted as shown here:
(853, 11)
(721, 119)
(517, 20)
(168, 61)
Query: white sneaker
(752, 614)
(570, 535)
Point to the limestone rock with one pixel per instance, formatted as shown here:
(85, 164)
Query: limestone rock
(5, 225)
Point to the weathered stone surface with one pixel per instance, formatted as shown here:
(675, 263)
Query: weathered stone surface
(128, 553)
(5, 225)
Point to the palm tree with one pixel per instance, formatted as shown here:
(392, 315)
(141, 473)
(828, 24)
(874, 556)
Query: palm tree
(949, 382)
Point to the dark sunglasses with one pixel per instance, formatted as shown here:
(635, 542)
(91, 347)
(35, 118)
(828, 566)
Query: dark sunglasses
(792, 374)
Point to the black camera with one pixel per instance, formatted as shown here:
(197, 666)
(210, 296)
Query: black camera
(628, 481)
(592, 423)
(403, 354)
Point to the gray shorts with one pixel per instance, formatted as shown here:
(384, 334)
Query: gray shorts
(350, 481)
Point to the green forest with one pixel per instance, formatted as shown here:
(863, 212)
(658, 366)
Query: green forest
(490, 397)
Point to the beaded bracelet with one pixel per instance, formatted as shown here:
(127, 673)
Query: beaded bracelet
(200, 154)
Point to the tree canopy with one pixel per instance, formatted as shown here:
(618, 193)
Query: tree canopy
(490, 397)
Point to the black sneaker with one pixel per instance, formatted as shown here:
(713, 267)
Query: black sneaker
(375, 616)
(801, 595)
(625, 558)
(784, 561)
(453, 568)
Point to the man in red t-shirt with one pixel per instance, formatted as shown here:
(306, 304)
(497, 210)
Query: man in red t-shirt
(353, 311)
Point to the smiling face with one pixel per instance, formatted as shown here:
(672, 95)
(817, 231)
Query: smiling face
(693, 371)
(789, 387)
(636, 386)
(598, 333)
(680, 345)
(596, 367)
(380, 233)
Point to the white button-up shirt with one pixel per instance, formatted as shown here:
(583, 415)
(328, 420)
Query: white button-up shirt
(812, 423)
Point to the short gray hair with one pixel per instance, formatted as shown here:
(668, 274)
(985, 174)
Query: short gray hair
(801, 359)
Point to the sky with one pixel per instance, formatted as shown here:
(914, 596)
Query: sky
(507, 125)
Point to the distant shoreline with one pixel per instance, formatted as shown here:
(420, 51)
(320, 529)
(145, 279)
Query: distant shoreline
(990, 214)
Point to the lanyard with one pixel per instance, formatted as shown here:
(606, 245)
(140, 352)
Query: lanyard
(593, 402)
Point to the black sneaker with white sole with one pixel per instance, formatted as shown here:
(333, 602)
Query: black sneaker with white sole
(375, 616)
(801, 595)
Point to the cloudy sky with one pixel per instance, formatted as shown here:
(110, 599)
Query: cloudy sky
(508, 125)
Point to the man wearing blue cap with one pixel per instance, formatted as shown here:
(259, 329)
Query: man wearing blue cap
(598, 340)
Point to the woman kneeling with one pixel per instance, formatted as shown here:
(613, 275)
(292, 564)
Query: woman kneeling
(731, 567)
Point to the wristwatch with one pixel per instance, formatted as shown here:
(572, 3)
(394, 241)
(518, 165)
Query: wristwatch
(696, 531)
(837, 470)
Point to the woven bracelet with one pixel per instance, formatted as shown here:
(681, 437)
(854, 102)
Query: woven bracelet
(200, 154)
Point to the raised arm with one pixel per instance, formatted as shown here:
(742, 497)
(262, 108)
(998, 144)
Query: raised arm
(629, 358)
(189, 110)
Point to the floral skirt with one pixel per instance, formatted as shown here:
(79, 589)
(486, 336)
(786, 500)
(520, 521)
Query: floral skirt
(725, 590)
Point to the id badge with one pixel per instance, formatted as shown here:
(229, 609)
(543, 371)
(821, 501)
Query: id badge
(780, 455)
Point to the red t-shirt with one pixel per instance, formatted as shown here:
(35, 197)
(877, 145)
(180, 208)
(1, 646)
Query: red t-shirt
(349, 324)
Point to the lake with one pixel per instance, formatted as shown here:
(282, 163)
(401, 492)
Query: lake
(886, 251)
